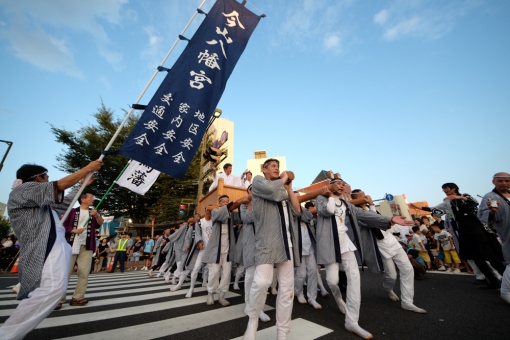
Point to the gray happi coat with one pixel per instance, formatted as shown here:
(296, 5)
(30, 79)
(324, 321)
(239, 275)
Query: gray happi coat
(157, 249)
(500, 221)
(193, 236)
(178, 239)
(170, 254)
(247, 237)
(328, 244)
(271, 244)
(213, 249)
(306, 218)
(32, 219)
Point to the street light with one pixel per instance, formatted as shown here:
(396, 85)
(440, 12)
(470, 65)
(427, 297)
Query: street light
(9, 148)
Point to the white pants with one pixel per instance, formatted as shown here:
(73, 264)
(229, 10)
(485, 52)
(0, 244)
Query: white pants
(406, 276)
(261, 282)
(198, 265)
(308, 266)
(178, 271)
(353, 300)
(249, 274)
(478, 273)
(44, 298)
(214, 283)
(505, 284)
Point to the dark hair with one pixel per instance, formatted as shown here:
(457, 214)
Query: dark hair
(83, 196)
(269, 160)
(130, 234)
(28, 172)
(309, 204)
(415, 229)
(223, 196)
(354, 193)
(226, 166)
(451, 186)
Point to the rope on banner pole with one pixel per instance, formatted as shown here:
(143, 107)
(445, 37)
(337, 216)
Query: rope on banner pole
(131, 111)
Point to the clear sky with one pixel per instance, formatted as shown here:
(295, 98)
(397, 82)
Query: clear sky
(398, 96)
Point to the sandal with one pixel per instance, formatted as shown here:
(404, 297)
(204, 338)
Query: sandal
(58, 306)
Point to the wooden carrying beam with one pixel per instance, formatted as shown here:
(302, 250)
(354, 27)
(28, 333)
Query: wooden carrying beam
(313, 194)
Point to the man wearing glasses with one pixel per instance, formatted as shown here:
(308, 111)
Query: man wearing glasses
(45, 254)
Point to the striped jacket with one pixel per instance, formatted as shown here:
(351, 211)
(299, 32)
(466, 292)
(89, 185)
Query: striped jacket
(213, 249)
(32, 220)
(269, 198)
(359, 222)
(247, 237)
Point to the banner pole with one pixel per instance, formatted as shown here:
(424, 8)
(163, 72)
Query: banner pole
(131, 111)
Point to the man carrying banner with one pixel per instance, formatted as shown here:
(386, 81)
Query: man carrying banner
(45, 254)
(274, 207)
(81, 226)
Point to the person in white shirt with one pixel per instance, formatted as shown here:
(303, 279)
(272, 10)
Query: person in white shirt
(228, 177)
(246, 178)
(393, 254)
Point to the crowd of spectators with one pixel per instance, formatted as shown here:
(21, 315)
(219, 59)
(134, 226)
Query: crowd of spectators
(9, 249)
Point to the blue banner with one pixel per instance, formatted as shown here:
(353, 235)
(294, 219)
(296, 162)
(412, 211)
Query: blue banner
(171, 128)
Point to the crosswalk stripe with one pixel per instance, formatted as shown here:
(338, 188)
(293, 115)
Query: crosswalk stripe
(106, 302)
(169, 327)
(301, 329)
(91, 288)
(122, 312)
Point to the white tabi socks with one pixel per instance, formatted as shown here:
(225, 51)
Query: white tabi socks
(191, 288)
(413, 308)
(182, 278)
(251, 330)
(314, 304)
(301, 298)
(167, 276)
(356, 329)
(393, 296)
(338, 297)
(162, 269)
(210, 300)
(222, 300)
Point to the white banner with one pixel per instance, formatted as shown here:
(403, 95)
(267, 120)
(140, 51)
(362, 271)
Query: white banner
(138, 177)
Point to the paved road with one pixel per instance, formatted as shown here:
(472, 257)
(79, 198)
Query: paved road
(133, 306)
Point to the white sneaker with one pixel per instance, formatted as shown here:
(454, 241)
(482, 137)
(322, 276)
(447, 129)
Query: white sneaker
(449, 270)
(456, 270)
(135, 268)
(149, 273)
(441, 269)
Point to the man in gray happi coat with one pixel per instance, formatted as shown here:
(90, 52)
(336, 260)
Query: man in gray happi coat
(192, 245)
(341, 241)
(178, 239)
(160, 256)
(495, 211)
(276, 243)
(220, 251)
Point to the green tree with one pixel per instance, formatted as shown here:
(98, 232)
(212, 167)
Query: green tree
(82, 146)
(5, 227)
